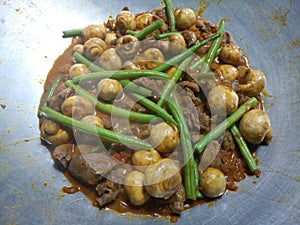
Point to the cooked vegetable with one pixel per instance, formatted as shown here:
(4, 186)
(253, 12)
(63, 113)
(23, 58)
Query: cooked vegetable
(176, 43)
(228, 122)
(109, 89)
(170, 14)
(135, 189)
(52, 133)
(77, 107)
(51, 89)
(154, 107)
(78, 48)
(162, 178)
(81, 59)
(78, 69)
(175, 59)
(228, 72)
(120, 74)
(231, 54)
(83, 138)
(185, 19)
(164, 137)
(141, 159)
(111, 109)
(147, 30)
(130, 86)
(222, 100)
(86, 128)
(93, 48)
(244, 150)
(127, 46)
(94, 31)
(110, 60)
(110, 39)
(125, 20)
(191, 179)
(152, 58)
(254, 86)
(213, 51)
(72, 33)
(212, 182)
(165, 35)
(167, 89)
(143, 20)
(254, 126)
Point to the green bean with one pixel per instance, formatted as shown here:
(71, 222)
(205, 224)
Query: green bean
(94, 68)
(131, 32)
(186, 53)
(154, 107)
(120, 74)
(147, 30)
(111, 109)
(131, 86)
(51, 91)
(226, 124)
(170, 14)
(198, 63)
(81, 59)
(167, 89)
(213, 50)
(165, 35)
(72, 33)
(90, 129)
(191, 179)
(244, 149)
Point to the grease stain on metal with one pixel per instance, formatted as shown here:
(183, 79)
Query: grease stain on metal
(279, 16)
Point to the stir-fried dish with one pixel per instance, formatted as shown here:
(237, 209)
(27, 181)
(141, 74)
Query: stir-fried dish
(154, 113)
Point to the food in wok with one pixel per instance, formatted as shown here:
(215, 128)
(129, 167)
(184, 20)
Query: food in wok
(154, 113)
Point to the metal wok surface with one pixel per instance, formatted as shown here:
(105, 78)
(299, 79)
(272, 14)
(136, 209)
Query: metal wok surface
(30, 41)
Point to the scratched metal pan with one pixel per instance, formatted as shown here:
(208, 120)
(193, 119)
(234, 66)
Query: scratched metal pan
(30, 41)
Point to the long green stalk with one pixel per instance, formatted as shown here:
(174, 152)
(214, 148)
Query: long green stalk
(244, 148)
(226, 124)
(191, 179)
(213, 50)
(170, 15)
(147, 30)
(51, 91)
(110, 108)
(125, 83)
(120, 74)
(167, 89)
(184, 54)
(90, 129)
(154, 108)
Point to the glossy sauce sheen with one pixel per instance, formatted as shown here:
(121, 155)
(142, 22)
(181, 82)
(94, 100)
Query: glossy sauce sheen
(121, 204)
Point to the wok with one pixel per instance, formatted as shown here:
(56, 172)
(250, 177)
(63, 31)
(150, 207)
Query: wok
(30, 186)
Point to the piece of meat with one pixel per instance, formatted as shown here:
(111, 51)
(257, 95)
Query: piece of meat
(128, 103)
(177, 200)
(63, 154)
(209, 154)
(155, 85)
(107, 191)
(228, 143)
(90, 167)
(189, 37)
